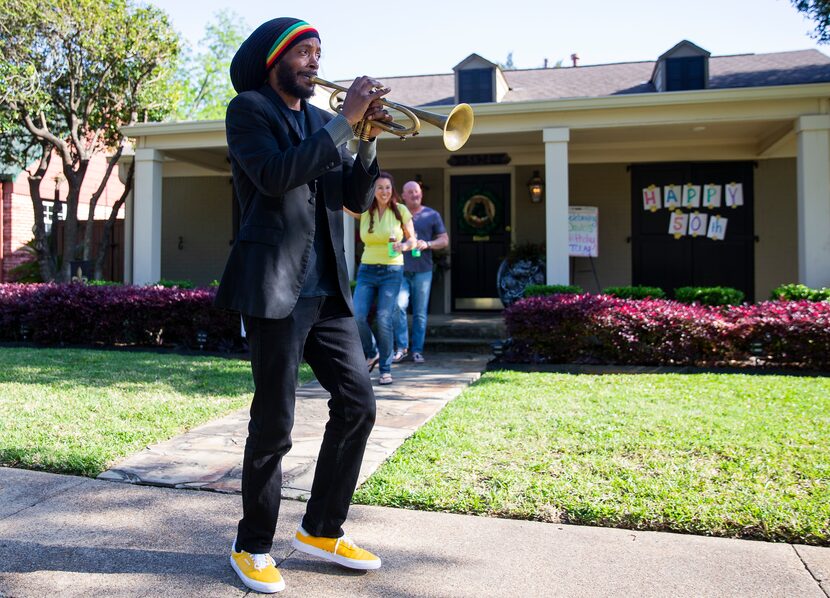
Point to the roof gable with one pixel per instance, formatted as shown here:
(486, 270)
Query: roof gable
(474, 61)
(683, 49)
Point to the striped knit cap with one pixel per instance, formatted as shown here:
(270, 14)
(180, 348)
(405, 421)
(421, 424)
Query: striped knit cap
(263, 48)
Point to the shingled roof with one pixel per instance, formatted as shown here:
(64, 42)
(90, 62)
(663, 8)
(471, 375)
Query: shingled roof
(743, 70)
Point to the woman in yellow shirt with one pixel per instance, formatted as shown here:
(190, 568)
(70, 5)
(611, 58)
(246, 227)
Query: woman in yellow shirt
(383, 230)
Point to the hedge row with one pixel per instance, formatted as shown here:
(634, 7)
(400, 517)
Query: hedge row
(795, 292)
(71, 314)
(604, 329)
(701, 295)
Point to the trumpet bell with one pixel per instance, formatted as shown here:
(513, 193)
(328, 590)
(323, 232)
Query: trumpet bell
(457, 125)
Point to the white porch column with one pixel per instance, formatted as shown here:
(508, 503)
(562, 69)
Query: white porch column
(348, 243)
(813, 200)
(147, 216)
(129, 221)
(556, 204)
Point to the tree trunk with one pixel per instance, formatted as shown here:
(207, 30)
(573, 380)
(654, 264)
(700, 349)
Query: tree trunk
(89, 250)
(103, 247)
(71, 248)
(45, 251)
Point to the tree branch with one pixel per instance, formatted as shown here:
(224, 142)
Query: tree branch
(116, 207)
(93, 202)
(44, 134)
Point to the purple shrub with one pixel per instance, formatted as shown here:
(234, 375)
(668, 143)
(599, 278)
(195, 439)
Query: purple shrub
(115, 315)
(605, 329)
(792, 333)
(656, 331)
(14, 304)
(554, 328)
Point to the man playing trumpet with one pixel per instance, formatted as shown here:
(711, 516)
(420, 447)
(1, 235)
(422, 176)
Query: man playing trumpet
(287, 276)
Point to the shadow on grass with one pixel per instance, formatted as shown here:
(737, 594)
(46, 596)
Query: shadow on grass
(610, 369)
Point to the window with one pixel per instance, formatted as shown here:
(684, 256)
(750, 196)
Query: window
(685, 73)
(48, 209)
(475, 86)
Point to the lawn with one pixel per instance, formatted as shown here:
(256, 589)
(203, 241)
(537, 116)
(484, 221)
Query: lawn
(77, 411)
(727, 455)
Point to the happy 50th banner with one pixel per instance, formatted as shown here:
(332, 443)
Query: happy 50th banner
(694, 197)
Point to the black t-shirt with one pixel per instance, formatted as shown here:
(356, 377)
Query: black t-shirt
(321, 277)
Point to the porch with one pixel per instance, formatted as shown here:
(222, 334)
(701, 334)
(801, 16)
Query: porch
(182, 212)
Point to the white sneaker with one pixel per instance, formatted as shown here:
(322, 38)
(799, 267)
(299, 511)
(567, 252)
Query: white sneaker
(417, 358)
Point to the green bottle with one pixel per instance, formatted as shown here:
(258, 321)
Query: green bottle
(391, 245)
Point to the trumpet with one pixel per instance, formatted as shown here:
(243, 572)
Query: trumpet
(456, 126)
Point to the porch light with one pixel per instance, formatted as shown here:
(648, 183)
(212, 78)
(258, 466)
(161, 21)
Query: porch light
(536, 187)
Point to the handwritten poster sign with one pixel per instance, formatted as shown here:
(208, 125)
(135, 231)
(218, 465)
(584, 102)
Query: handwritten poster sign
(711, 196)
(678, 224)
(697, 224)
(583, 231)
(673, 193)
(686, 205)
(691, 196)
(734, 195)
(651, 198)
(717, 228)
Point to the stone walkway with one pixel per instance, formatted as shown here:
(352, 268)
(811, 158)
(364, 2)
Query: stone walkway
(209, 457)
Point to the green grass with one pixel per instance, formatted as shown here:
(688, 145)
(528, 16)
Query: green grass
(77, 411)
(726, 455)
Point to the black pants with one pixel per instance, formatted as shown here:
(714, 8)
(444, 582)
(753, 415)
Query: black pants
(322, 330)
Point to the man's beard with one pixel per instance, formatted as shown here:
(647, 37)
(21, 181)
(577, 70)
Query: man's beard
(288, 81)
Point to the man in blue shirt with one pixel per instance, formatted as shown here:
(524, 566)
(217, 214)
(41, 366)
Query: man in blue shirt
(417, 281)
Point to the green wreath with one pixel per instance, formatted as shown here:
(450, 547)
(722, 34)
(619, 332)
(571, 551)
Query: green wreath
(479, 213)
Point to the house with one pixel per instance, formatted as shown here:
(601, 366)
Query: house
(17, 211)
(690, 169)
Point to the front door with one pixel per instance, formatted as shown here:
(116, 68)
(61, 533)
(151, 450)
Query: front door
(659, 259)
(480, 238)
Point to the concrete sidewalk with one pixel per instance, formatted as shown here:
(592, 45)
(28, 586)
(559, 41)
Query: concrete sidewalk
(68, 536)
(71, 536)
(209, 457)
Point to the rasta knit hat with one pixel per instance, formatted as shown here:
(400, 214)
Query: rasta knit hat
(263, 49)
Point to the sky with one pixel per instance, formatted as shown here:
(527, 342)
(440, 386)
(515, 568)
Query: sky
(432, 36)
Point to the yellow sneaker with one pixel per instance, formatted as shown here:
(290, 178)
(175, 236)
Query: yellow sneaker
(338, 550)
(257, 571)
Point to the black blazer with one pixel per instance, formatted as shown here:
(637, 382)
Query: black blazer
(273, 174)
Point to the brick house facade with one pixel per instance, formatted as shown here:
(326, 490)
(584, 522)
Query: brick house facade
(18, 213)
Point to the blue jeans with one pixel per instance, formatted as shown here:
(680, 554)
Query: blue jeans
(383, 282)
(416, 285)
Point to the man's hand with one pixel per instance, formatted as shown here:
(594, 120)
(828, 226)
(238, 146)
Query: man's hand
(376, 113)
(362, 97)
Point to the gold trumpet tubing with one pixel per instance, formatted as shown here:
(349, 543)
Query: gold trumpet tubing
(361, 130)
(456, 126)
(409, 113)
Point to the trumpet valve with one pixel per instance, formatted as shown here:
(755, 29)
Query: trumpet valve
(361, 130)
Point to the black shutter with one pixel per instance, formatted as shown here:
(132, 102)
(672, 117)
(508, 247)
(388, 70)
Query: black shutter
(475, 86)
(685, 73)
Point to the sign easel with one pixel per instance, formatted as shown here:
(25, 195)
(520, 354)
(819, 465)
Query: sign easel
(583, 236)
